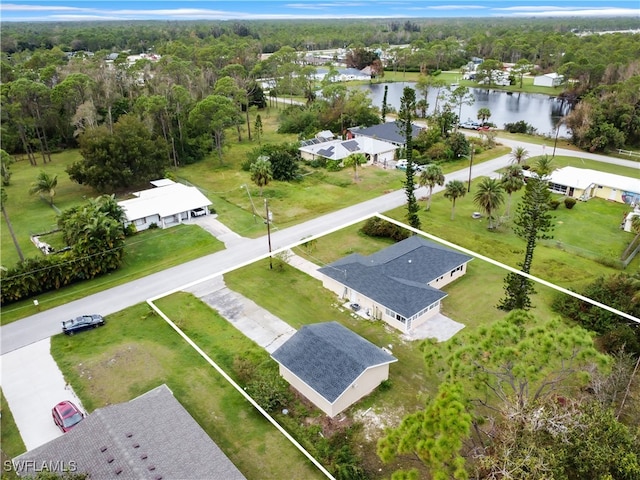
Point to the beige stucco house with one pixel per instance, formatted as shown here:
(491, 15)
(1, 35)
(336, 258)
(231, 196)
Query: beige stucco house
(332, 366)
(167, 204)
(400, 284)
(583, 184)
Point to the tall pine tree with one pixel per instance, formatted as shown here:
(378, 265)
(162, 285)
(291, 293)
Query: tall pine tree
(532, 223)
(405, 117)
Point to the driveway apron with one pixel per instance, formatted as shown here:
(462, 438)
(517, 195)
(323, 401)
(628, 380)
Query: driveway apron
(32, 383)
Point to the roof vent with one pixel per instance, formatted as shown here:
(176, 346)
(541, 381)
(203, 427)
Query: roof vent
(118, 471)
(158, 477)
(151, 468)
(103, 449)
(129, 434)
(136, 445)
(143, 456)
(110, 460)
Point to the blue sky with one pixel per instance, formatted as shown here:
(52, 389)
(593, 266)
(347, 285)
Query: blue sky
(87, 10)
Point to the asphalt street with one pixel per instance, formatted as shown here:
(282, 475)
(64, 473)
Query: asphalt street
(47, 323)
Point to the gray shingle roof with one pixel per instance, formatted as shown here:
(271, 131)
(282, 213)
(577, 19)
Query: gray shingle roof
(329, 357)
(397, 276)
(149, 437)
(389, 131)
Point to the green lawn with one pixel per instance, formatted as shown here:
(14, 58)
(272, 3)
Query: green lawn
(138, 351)
(11, 444)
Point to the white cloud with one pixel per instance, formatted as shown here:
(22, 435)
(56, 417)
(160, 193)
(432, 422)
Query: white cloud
(572, 12)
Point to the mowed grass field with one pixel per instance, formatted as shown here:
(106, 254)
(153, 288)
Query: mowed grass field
(138, 351)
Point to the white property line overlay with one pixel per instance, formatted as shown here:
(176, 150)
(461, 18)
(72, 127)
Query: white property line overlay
(314, 237)
(511, 269)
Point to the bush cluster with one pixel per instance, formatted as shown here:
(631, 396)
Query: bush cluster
(376, 227)
(520, 127)
(38, 275)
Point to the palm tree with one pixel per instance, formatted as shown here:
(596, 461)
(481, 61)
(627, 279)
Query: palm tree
(454, 190)
(3, 201)
(355, 160)
(483, 114)
(489, 197)
(45, 184)
(512, 181)
(261, 172)
(519, 155)
(430, 177)
(543, 166)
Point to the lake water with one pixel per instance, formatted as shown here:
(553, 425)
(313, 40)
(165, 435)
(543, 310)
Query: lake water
(541, 111)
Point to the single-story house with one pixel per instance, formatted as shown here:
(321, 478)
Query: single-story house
(149, 437)
(332, 366)
(548, 80)
(167, 204)
(583, 184)
(343, 74)
(399, 284)
(376, 151)
(389, 132)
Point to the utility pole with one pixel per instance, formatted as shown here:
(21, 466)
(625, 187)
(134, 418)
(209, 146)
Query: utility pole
(253, 207)
(555, 142)
(470, 165)
(266, 206)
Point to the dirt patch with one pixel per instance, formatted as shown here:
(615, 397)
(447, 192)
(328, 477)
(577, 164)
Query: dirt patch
(111, 376)
(374, 422)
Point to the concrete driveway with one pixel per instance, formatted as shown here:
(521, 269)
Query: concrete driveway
(32, 383)
(254, 322)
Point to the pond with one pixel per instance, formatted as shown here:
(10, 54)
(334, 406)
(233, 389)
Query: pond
(542, 111)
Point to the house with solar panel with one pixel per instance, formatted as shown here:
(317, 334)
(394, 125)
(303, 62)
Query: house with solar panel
(332, 366)
(400, 284)
(376, 151)
(391, 132)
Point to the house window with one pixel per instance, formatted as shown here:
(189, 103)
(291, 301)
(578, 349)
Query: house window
(139, 221)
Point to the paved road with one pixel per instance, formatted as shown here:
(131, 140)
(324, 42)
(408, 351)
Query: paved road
(45, 324)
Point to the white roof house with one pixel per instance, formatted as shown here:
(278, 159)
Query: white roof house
(548, 80)
(167, 204)
(584, 183)
(375, 150)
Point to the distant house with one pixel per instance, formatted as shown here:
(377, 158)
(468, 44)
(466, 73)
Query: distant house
(399, 284)
(389, 132)
(344, 74)
(150, 437)
(166, 205)
(376, 151)
(548, 80)
(332, 366)
(583, 183)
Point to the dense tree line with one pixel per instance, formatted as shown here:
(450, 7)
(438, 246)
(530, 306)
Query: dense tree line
(49, 98)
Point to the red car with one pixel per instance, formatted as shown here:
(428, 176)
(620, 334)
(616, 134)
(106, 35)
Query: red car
(66, 415)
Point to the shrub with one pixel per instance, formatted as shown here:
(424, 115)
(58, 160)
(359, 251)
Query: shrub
(334, 165)
(153, 226)
(569, 202)
(520, 127)
(376, 227)
(554, 203)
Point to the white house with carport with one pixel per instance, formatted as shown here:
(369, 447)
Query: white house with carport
(376, 151)
(400, 284)
(167, 204)
(584, 183)
(332, 366)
